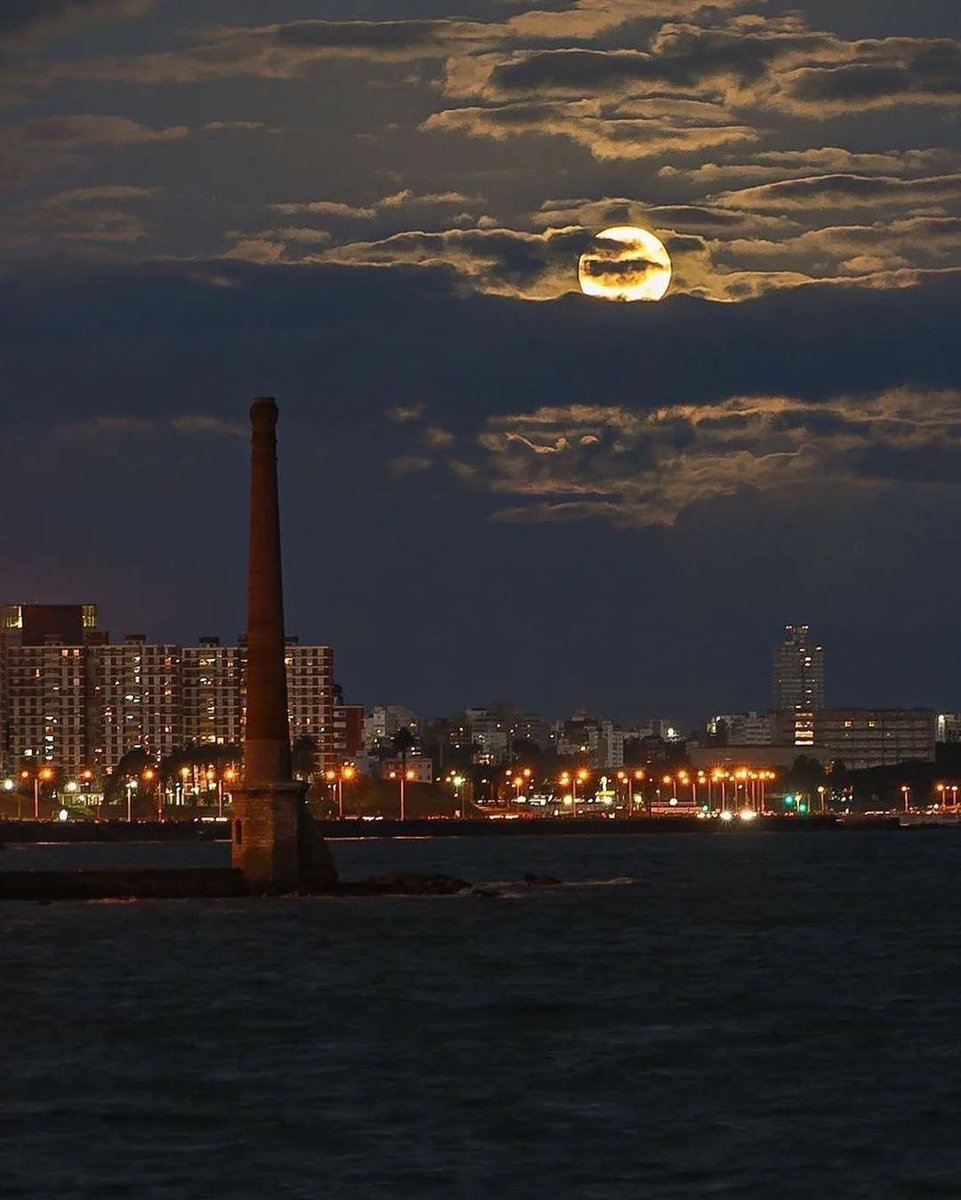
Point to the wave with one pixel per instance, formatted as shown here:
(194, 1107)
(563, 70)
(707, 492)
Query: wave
(524, 887)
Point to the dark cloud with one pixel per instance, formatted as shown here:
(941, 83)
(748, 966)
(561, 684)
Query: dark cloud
(23, 22)
(885, 74)
(680, 56)
(91, 130)
(606, 138)
(844, 191)
(281, 51)
(499, 261)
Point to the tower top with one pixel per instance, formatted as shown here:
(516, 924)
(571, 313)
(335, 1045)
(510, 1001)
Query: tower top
(264, 408)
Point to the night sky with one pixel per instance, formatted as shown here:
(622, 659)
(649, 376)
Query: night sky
(492, 485)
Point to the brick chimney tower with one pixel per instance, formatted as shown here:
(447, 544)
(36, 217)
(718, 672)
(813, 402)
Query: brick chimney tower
(274, 843)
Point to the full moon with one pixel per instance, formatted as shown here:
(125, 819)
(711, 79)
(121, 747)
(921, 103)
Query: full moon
(625, 263)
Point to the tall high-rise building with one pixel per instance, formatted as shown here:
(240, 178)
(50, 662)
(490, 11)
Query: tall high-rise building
(71, 699)
(798, 672)
(310, 697)
(140, 699)
(212, 692)
(46, 689)
(799, 683)
(43, 624)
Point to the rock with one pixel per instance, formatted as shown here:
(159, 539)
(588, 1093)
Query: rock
(406, 884)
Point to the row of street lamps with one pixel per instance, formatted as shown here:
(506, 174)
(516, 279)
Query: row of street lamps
(149, 776)
(43, 775)
(748, 787)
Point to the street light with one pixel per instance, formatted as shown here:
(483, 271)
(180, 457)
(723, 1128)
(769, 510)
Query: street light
(346, 772)
(229, 776)
(906, 793)
(639, 777)
(581, 777)
(458, 782)
(46, 774)
(766, 777)
(149, 775)
(8, 786)
(721, 777)
(564, 780)
(404, 777)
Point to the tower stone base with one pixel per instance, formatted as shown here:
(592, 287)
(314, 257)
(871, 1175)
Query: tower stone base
(274, 843)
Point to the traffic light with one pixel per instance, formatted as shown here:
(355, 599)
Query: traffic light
(788, 801)
(802, 807)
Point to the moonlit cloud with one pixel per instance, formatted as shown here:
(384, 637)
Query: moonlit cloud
(605, 138)
(635, 467)
(404, 200)
(589, 18)
(284, 51)
(41, 145)
(777, 165)
(91, 215)
(824, 192)
(534, 266)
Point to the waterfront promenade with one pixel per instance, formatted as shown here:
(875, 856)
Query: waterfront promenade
(191, 831)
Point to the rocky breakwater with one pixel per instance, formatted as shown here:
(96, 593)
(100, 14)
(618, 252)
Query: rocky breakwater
(222, 883)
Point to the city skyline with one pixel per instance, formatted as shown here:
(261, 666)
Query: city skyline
(493, 485)
(70, 695)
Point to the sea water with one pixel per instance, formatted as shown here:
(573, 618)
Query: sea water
(756, 1015)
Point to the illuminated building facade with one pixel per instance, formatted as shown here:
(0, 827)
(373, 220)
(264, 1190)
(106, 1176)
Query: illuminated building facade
(310, 697)
(798, 684)
(46, 707)
(877, 737)
(348, 733)
(743, 729)
(590, 740)
(212, 687)
(417, 768)
(46, 690)
(949, 727)
(140, 700)
(71, 699)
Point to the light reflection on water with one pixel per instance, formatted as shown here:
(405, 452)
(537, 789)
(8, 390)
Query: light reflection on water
(766, 1016)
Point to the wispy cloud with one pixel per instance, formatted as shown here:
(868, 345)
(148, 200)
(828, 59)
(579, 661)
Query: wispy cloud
(46, 144)
(22, 25)
(120, 426)
(821, 192)
(91, 214)
(284, 51)
(637, 467)
(606, 137)
(537, 266)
